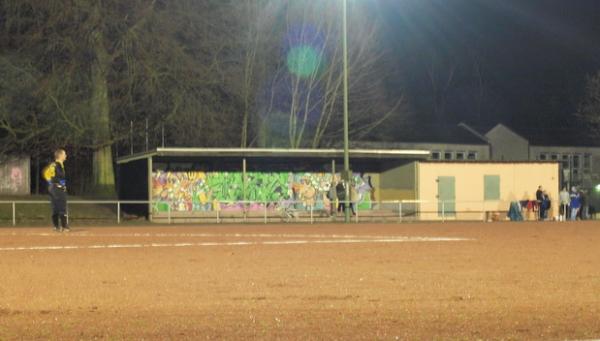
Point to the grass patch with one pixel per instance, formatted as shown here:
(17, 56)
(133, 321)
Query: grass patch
(38, 214)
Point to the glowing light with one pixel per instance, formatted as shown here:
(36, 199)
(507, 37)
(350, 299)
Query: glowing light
(597, 188)
(303, 61)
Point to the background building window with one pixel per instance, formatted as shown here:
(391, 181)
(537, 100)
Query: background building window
(554, 157)
(435, 155)
(460, 155)
(587, 161)
(447, 155)
(565, 161)
(576, 161)
(472, 156)
(543, 157)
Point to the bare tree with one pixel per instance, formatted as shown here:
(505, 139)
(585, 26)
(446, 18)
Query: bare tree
(302, 106)
(441, 78)
(97, 65)
(589, 107)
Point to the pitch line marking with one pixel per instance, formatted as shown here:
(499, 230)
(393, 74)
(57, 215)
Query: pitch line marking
(202, 235)
(239, 243)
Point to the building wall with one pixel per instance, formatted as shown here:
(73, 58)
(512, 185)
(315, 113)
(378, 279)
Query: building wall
(507, 145)
(398, 183)
(481, 150)
(15, 176)
(518, 181)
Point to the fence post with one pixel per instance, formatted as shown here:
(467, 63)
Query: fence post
(356, 210)
(400, 210)
(14, 213)
(266, 212)
(483, 217)
(118, 212)
(311, 214)
(169, 213)
(443, 211)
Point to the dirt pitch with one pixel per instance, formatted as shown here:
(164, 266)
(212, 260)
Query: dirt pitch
(460, 281)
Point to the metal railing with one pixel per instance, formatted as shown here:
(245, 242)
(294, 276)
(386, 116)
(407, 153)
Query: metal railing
(289, 211)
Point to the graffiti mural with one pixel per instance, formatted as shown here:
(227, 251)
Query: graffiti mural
(208, 191)
(14, 177)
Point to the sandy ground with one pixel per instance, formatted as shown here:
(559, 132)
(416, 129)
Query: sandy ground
(373, 282)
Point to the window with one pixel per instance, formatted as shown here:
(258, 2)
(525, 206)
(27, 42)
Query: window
(435, 155)
(491, 187)
(554, 157)
(447, 155)
(587, 161)
(460, 155)
(576, 161)
(565, 161)
(543, 157)
(472, 156)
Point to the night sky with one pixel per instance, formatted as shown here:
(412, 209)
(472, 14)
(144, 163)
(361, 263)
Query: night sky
(533, 55)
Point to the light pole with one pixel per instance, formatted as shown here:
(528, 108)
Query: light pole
(346, 176)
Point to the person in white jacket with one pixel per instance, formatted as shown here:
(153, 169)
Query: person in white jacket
(565, 201)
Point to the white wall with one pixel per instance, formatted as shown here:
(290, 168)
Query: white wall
(518, 181)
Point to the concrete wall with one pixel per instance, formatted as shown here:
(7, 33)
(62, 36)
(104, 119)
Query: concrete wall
(518, 181)
(15, 176)
(398, 183)
(507, 145)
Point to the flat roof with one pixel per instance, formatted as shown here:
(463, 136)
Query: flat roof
(489, 161)
(278, 152)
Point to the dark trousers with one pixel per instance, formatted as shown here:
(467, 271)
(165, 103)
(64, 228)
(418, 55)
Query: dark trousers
(342, 207)
(58, 201)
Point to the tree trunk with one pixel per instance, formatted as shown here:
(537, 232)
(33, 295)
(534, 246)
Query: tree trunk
(103, 181)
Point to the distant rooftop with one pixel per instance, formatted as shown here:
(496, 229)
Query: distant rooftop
(564, 136)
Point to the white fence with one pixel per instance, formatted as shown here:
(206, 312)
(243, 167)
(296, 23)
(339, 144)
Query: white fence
(292, 211)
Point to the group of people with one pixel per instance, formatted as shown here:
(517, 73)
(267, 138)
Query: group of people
(338, 191)
(573, 205)
(543, 202)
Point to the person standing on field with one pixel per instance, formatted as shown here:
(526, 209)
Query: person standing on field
(332, 196)
(340, 190)
(575, 203)
(565, 200)
(55, 176)
(539, 197)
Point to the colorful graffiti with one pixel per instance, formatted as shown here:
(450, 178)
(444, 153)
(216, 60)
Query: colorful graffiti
(14, 177)
(208, 191)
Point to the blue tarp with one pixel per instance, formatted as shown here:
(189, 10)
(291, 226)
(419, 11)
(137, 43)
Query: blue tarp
(514, 212)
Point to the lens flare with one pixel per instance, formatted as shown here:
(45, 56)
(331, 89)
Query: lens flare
(303, 61)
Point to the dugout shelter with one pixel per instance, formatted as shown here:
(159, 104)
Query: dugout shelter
(193, 183)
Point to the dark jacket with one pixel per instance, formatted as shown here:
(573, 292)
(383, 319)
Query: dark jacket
(55, 175)
(340, 191)
(539, 195)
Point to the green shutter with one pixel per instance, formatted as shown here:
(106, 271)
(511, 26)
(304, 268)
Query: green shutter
(491, 187)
